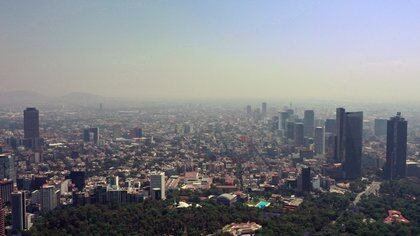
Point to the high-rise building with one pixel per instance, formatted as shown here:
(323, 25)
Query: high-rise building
(306, 179)
(31, 127)
(78, 179)
(19, 211)
(329, 146)
(7, 167)
(2, 226)
(353, 144)
(339, 145)
(309, 123)
(91, 135)
(396, 148)
(283, 116)
(380, 127)
(48, 198)
(264, 109)
(157, 186)
(319, 140)
(290, 130)
(299, 134)
(249, 110)
(6, 189)
(330, 126)
(138, 132)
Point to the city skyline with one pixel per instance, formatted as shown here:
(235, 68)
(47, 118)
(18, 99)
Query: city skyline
(359, 51)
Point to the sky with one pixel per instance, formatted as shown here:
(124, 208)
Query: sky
(355, 50)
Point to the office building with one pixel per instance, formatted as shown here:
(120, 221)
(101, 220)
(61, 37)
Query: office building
(2, 221)
(48, 198)
(264, 109)
(352, 145)
(329, 146)
(309, 123)
(396, 148)
(299, 134)
(319, 140)
(330, 126)
(18, 211)
(138, 132)
(31, 127)
(157, 186)
(290, 130)
(283, 116)
(7, 167)
(6, 189)
(339, 145)
(249, 110)
(306, 179)
(380, 127)
(91, 135)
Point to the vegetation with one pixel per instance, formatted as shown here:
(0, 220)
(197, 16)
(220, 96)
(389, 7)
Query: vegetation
(367, 218)
(159, 218)
(325, 214)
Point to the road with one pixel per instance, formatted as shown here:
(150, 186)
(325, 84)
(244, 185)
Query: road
(373, 188)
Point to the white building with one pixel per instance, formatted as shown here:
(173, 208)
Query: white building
(157, 185)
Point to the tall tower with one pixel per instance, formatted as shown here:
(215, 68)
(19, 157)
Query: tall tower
(19, 211)
(353, 143)
(319, 140)
(283, 116)
(309, 123)
(31, 127)
(299, 134)
(48, 198)
(157, 185)
(264, 109)
(396, 148)
(340, 119)
(2, 226)
(306, 179)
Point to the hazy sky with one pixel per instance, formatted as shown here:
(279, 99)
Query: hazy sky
(224, 49)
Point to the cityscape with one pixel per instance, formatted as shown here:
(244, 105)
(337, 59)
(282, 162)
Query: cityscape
(218, 155)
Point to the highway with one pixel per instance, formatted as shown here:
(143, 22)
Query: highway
(373, 188)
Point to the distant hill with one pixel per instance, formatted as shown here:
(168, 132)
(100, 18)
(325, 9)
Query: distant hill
(22, 97)
(29, 98)
(80, 98)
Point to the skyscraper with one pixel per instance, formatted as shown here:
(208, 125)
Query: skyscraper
(396, 148)
(319, 140)
(353, 143)
(19, 211)
(330, 126)
(249, 110)
(91, 135)
(283, 116)
(340, 119)
(299, 135)
(157, 186)
(306, 179)
(31, 127)
(48, 198)
(2, 226)
(7, 167)
(309, 123)
(290, 130)
(264, 109)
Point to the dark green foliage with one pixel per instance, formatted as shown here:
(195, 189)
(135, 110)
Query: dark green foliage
(325, 214)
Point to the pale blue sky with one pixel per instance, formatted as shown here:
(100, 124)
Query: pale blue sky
(220, 49)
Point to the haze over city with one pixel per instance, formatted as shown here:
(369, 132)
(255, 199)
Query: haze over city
(326, 50)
